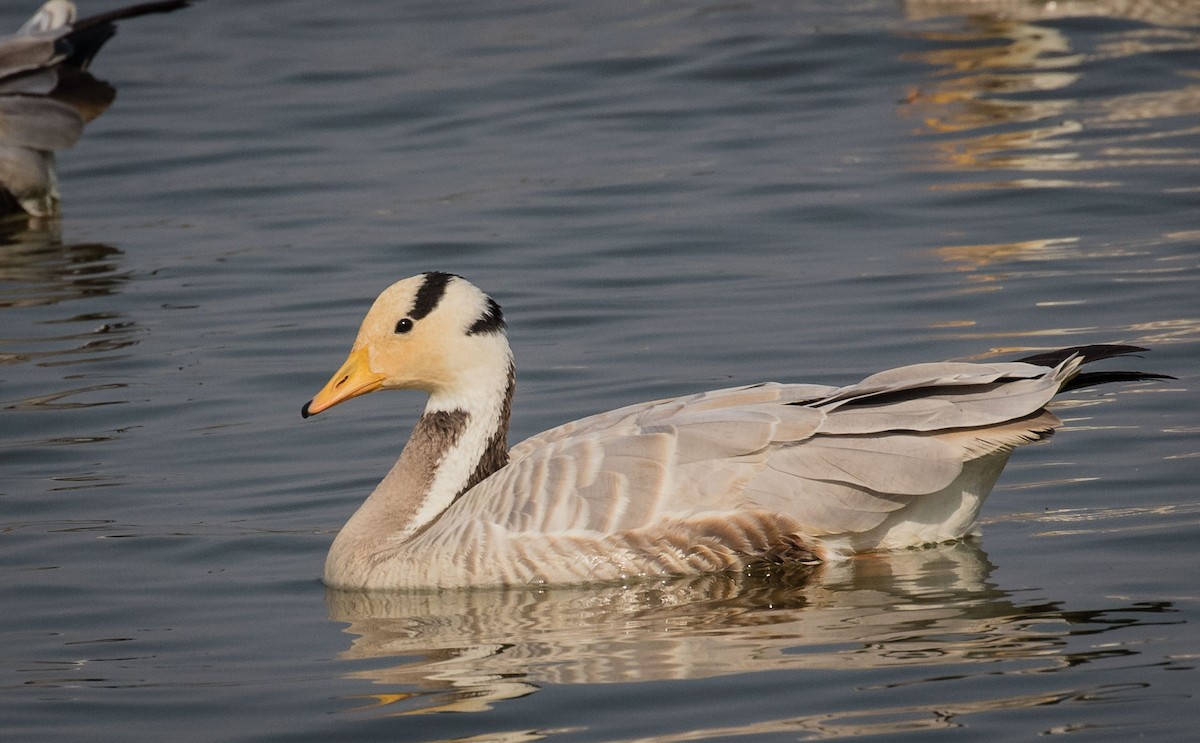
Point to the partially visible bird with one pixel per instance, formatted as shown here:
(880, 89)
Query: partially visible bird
(47, 95)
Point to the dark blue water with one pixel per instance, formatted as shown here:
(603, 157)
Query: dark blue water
(666, 198)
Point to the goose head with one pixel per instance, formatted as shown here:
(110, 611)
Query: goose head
(434, 332)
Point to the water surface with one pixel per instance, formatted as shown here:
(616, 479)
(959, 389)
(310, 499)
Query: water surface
(666, 198)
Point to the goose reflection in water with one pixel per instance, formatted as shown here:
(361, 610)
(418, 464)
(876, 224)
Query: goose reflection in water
(41, 281)
(466, 650)
(38, 269)
(47, 95)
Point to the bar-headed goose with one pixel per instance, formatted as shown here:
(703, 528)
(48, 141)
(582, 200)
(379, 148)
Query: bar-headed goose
(714, 481)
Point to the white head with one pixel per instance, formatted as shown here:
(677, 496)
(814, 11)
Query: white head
(435, 332)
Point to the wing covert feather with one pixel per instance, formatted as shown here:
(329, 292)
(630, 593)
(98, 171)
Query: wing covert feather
(958, 408)
(946, 375)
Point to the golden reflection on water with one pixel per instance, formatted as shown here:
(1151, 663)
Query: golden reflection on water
(988, 267)
(1160, 12)
(1006, 82)
(1106, 520)
(1146, 334)
(466, 651)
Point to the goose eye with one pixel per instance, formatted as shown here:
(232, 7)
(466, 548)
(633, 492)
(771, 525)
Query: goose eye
(403, 326)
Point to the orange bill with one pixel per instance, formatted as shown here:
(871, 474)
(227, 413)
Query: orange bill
(353, 379)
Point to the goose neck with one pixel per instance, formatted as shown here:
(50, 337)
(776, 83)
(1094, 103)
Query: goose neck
(452, 448)
(458, 442)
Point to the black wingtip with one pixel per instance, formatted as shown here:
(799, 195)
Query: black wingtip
(304, 410)
(1095, 352)
(1090, 353)
(131, 11)
(1091, 379)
